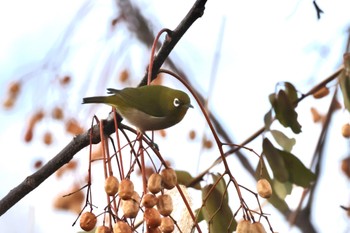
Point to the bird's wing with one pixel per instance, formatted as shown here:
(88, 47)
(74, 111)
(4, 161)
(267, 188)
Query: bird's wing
(112, 91)
(141, 99)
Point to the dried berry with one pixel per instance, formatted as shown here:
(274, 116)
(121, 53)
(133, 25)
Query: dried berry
(324, 91)
(72, 165)
(69, 166)
(264, 188)
(57, 113)
(207, 143)
(244, 227)
(126, 189)
(149, 200)
(257, 227)
(28, 135)
(154, 183)
(192, 134)
(103, 229)
(162, 133)
(65, 80)
(316, 117)
(14, 88)
(47, 138)
(124, 76)
(121, 227)
(71, 202)
(131, 207)
(165, 204)
(167, 225)
(88, 221)
(38, 116)
(152, 218)
(111, 185)
(73, 127)
(97, 153)
(345, 130)
(9, 102)
(169, 178)
(345, 166)
(38, 164)
(154, 230)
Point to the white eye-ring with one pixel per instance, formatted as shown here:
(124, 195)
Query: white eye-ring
(176, 102)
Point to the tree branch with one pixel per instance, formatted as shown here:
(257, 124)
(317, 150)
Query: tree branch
(63, 157)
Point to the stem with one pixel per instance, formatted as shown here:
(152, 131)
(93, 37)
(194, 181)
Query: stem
(118, 143)
(143, 164)
(155, 42)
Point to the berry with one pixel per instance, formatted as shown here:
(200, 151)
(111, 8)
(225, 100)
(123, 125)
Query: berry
(243, 227)
(345, 130)
(111, 185)
(169, 178)
(167, 225)
(121, 227)
(165, 204)
(264, 188)
(154, 183)
(149, 200)
(152, 218)
(88, 221)
(126, 189)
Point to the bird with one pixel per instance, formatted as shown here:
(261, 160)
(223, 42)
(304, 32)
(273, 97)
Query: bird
(148, 108)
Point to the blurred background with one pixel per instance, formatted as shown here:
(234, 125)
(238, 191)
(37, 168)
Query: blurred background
(54, 53)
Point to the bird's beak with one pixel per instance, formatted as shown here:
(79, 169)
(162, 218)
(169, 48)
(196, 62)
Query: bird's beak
(189, 105)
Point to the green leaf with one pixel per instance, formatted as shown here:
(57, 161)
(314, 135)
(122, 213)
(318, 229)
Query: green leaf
(199, 215)
(282, 189)
(285, 112)
(291, 92)
(285, 142)
(221, 186)
(268, 120)
(344, 82)
(216, 210)
(298, 173)
(286, 166)
(272, 98)
(185, 178)
(275, 161)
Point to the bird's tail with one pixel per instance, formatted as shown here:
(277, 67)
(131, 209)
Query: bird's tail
(95, 99)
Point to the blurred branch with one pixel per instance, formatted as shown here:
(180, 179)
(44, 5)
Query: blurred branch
(83, 140)
(301, 216)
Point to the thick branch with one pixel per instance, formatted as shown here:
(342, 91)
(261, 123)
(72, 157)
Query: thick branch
(83, 140)
(196, 11)
(63, 157)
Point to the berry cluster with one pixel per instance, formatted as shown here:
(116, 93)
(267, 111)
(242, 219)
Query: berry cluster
(155, 205)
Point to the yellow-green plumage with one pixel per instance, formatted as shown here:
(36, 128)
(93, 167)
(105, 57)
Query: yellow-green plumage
(151, 107)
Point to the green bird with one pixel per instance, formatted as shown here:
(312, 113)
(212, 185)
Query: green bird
(151, 107)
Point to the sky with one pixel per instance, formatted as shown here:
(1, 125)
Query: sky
(264, 42)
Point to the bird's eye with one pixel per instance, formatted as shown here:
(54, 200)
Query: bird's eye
(176, 102)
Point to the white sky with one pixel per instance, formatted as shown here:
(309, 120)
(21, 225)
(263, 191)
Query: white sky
(264, 42)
